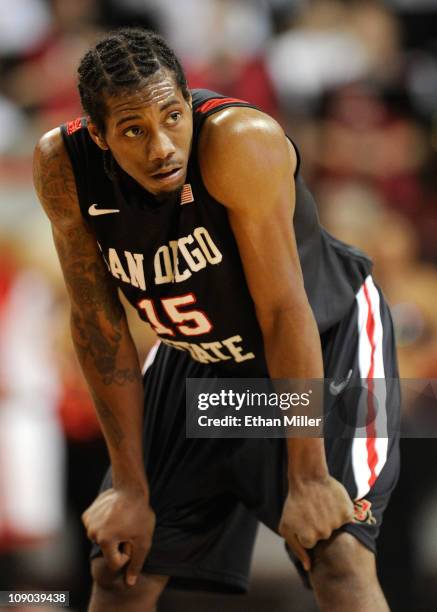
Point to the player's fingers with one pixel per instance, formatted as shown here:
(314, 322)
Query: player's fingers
(300, 552)
(114, 558)
(135, 565)
(96, 505)
(91, 535)
(323, 534)
(126, 549)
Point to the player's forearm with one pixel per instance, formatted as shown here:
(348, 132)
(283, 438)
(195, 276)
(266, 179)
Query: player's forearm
(110, 364)
(293, 352)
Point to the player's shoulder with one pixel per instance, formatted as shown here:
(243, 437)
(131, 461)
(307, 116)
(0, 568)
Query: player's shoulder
(50, 141)
(54, 178)
(50, 158)
(233, 125)
(239, 144)
(63, 139)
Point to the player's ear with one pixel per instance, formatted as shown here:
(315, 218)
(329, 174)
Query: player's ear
(96, 136)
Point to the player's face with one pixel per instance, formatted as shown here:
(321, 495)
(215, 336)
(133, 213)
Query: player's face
(149, 133)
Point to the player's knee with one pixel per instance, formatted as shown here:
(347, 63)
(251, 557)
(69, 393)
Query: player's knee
(342, 560)
(112, 585)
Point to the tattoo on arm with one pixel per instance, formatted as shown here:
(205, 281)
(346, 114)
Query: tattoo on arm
(54, 181)
(112, 426)
(98, 323)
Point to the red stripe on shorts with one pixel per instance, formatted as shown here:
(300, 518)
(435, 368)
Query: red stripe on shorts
(372, 455)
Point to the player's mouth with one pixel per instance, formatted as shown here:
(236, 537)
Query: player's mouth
(171, 175)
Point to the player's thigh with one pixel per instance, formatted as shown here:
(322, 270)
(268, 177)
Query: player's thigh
(362, 396)
(363, 457)
(109, 587)
(258, 477)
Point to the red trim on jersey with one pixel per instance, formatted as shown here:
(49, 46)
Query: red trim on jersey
(372, 455)
(214, 102)
(73, 126)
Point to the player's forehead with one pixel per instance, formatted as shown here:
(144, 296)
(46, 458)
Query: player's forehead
(159, 90)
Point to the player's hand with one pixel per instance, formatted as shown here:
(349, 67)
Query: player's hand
(121, 522)
(312, 511)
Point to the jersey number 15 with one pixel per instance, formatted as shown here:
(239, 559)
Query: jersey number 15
(186, 322)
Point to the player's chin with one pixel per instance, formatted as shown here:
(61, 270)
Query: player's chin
(168, 183)
(169, 192)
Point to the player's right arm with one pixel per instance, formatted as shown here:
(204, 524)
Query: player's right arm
(109, 361)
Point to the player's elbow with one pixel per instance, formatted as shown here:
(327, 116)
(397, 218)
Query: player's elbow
(290, 309)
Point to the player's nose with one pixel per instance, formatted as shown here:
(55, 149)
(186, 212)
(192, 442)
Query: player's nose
(160, 147)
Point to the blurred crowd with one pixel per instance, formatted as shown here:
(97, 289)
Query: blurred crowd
(354, 82)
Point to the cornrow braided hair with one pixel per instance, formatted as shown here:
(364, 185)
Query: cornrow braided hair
(121, 62)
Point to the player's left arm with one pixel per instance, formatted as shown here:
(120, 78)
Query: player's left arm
(248, 165)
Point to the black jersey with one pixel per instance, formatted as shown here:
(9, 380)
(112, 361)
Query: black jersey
(177, 261)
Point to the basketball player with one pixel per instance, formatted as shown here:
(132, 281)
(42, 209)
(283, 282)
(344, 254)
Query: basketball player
(192, 204)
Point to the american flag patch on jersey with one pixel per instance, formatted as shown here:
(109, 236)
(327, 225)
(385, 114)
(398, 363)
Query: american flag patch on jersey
(187, 194)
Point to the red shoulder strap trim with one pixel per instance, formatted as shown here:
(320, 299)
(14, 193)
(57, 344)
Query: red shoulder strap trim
(214, 102)
(73, 126)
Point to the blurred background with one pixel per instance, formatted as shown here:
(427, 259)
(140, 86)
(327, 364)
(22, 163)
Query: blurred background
(355, 85)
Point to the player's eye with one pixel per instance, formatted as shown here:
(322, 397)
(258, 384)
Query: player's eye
(174, 117)
(133, 132)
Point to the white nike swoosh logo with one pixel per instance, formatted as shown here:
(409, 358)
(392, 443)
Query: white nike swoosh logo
(94, 211)
(337, 388)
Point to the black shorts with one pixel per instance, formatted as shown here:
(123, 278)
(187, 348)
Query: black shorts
(209, 494)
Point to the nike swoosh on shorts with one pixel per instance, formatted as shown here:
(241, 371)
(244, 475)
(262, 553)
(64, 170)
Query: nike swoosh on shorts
(337, 388)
